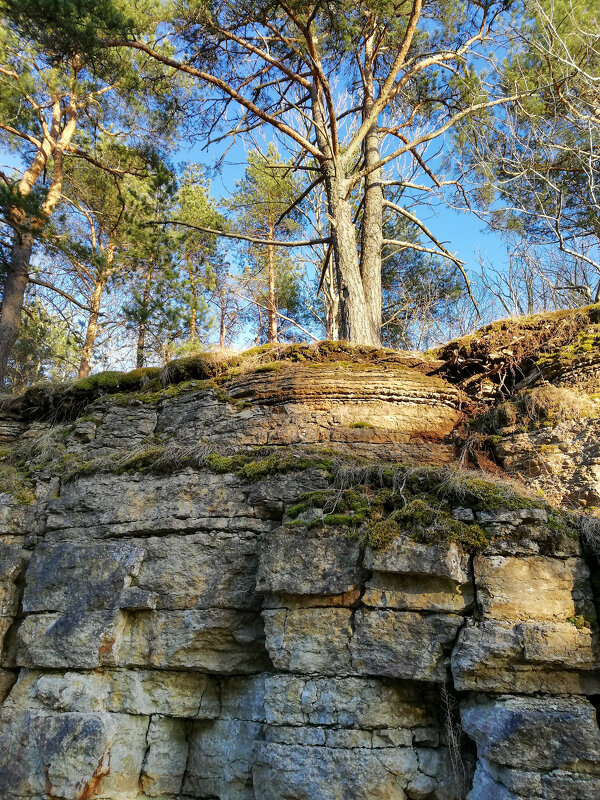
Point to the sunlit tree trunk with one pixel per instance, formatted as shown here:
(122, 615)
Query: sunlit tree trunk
(140, 352)
(17, 269)
(272, 304)
(91, 333)
(372, 222)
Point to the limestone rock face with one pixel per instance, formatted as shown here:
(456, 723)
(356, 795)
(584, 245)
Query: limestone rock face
(562, 460)
(173, 632)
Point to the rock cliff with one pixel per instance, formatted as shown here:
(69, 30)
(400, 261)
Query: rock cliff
(271, 581)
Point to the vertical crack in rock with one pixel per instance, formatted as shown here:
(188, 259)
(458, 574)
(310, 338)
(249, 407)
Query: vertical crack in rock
(184, 776)
(145, 756)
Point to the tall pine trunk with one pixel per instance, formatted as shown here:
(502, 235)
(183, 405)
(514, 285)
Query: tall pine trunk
(91, 333)
(140, 351)
(194, 305)
(372, 221)
(359, 294)
(356, 318)
(17, 278)
(272, 313)
(17, 272)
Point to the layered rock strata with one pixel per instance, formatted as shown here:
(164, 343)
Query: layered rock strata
(177, 634)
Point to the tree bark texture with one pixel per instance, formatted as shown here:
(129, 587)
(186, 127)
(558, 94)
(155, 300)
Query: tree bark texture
(272, 332)
(91, 333)
(372, 221)
(17, 278)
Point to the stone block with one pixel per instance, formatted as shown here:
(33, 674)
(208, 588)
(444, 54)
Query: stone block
(405, 557)
(404, 645)
(221, 641)
(211, 640)
(534, 587)
(526, 657)
(82, 577)
(528, 733)
(309, 640)
(315, 562)
(221, 758)
(166, 757)
(301, 772)
(132, 691)
(417, 593)
(71, 756)
(365, 703)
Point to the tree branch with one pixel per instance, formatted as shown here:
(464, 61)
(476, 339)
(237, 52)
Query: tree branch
(242, 236)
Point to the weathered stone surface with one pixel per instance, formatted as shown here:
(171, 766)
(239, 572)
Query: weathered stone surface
(122, 426)
(133, 691)
(394, 397)
(535, 587)
(213, 640)
(12, 566)
(402, 644)
(72, 756)
(147, 670)
(311, 640)
(494, 782)
(288, 772)
(563, 461)
(221, 759)
(75, 576)
(111, 506)
(319, 561)
(201, 571)
(364, 703)
(196, 571)
(540, 734)
(417, 593)
(526, 657)
(7, 681)
(16, 519)
(71, 639)
(166, 757)
(406, 557)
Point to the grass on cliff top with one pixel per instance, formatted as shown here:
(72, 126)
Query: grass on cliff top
(543, 406)
(496, 360)
(62, 401)
(380, 503)
(528, 336)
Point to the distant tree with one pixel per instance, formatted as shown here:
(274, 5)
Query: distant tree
(419, 292)
(58, 93)
(537, 161)
(46, 348)
(262, 196)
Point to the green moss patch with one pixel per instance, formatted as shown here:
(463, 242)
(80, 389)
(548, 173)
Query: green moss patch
(380, 503)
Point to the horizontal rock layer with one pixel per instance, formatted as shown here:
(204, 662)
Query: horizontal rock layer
(175, 635)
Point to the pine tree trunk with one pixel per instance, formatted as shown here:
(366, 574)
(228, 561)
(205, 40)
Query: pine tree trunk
(17, 274)
(17, 277)
(91, 333)
(272, 331)
(222, 326)
(333, 305)
(356, 320)
(140, 352)
(372, 222)
(194, 308)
